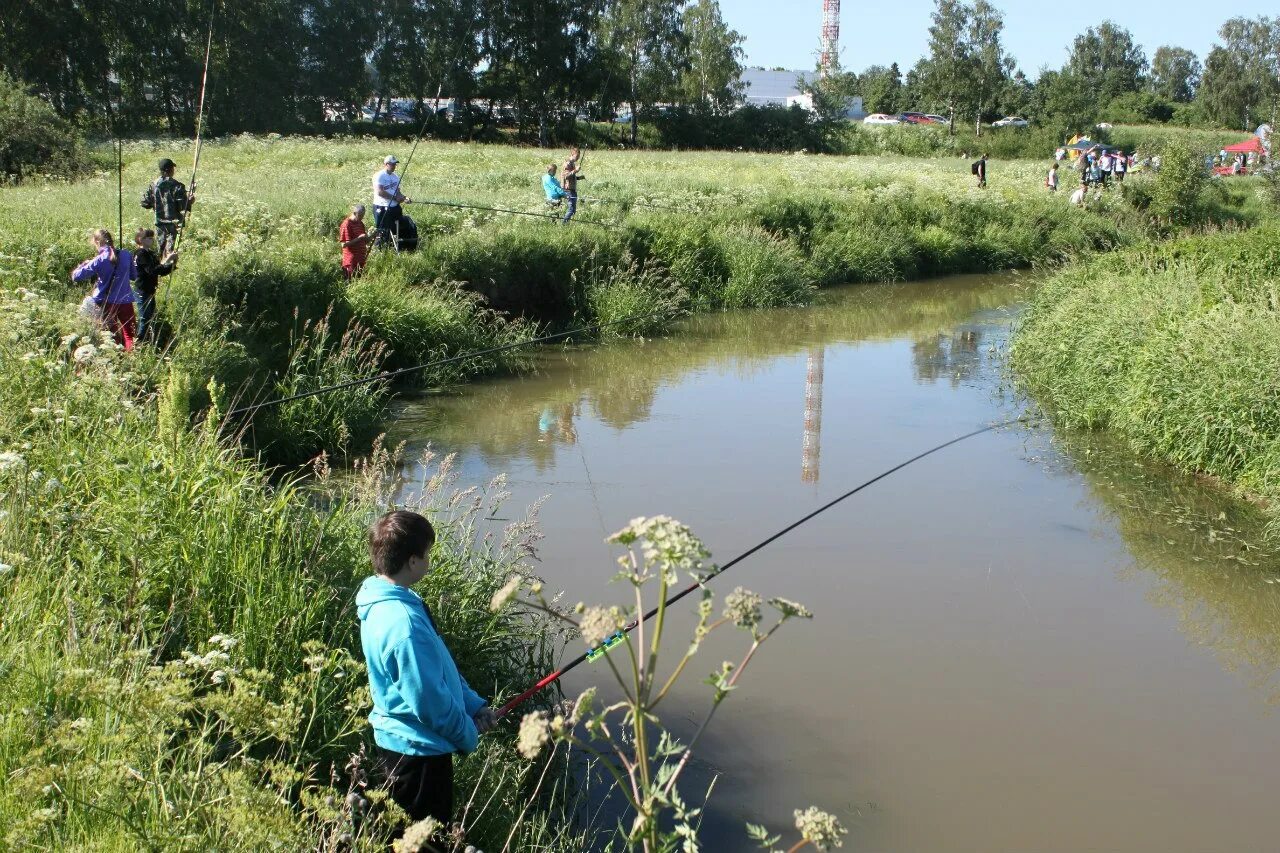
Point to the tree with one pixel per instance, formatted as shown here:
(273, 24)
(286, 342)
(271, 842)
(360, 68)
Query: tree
(1175, 74)
(644, 38)
(991, 66)
(713, 63)
(1241, 82)
(881, 89)
(1109, 60)
(945, 74)
(1064, 101)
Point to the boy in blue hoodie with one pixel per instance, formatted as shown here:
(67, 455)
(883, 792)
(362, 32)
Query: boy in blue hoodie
(423, 710)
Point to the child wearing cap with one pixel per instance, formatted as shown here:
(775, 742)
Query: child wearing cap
(169, 198)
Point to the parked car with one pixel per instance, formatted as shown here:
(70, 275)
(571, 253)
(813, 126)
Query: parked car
(915, 118)
(881, 118)
(938, 119)
(622, 118)
(1011, 121)
(1104, 125)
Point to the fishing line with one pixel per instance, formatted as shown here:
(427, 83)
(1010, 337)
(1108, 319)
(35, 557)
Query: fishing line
(391, 374)
(621, 634)
(517, 212)
(630, 203)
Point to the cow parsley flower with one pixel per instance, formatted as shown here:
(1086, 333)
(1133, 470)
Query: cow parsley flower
(535, 730)
(598, 624)
(417, 837)
(742, 607)
(84, 353)
(820, 829)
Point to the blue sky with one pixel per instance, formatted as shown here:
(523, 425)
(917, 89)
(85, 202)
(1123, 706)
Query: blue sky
(1036, 32)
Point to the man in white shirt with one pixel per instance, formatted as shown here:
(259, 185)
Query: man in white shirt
(387, 199)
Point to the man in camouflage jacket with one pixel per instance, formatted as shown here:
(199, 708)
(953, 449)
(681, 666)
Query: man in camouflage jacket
(167, 196)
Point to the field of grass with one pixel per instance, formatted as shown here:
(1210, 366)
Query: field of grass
(259, 304)
(1174, 349)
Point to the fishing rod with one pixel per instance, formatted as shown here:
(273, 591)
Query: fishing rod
(630, 203)
(391, 374)
(204, 87)
(517, 212)
(621, 634)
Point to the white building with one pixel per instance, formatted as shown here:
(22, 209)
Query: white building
(783, 89)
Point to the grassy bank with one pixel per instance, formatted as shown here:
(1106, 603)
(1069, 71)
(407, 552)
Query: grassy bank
(259, 304)
(176, 666)
(1173, 348)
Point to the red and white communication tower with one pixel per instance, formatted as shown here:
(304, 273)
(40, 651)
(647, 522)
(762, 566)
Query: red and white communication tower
(830, 36)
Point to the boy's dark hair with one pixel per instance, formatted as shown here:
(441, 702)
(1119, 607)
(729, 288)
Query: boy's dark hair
(396, 538)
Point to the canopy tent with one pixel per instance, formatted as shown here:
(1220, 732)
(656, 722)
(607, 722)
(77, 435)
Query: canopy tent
(1252, 145)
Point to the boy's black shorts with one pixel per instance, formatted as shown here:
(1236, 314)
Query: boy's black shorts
(422, 785)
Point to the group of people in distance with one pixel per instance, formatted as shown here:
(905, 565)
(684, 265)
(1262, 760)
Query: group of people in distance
(389, 220)
(125, 281)
(1098, 167)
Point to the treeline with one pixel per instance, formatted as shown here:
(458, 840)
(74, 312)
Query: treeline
(287, 65)
(1107, 77)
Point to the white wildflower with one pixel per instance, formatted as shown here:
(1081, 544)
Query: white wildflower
(218, 676)
(502, 596)
(9, 459)
(742, 607)
(68, 340)
(598, 624)
(417, 837)
(5, 568)
(820, 829)
(535, 730)
(790, 608)
(79, 724)
(84, 353)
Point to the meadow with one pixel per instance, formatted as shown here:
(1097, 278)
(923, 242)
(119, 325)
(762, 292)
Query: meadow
(177, 664)
(259, 306)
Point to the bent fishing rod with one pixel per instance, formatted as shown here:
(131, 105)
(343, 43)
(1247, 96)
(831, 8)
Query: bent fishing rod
(631, 203)
(392, 374)
(621, 634)
(516, 212)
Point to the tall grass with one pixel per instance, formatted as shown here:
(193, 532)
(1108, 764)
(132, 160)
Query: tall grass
(1172, 347)
(175, 654)
(259, 309)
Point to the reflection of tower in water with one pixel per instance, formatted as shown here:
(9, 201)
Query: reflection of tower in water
(811, 446)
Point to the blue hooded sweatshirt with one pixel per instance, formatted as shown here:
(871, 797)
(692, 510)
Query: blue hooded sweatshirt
(552, 188)
(421, 705)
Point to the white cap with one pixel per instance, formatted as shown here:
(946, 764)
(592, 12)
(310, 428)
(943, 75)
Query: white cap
(390, 158)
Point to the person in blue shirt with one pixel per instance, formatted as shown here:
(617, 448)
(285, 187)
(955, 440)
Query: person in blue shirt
(552, 187)
(423, 709)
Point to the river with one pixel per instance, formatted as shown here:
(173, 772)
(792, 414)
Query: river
(1024, 642)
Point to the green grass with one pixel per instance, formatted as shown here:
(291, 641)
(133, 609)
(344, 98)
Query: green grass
(127, 545)
(1173, 348)
(258, 305)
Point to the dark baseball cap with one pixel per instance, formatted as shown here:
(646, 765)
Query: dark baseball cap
(167, 164)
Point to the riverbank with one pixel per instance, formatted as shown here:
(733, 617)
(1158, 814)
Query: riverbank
(259, 306)
(1174, 349)
(177, 647)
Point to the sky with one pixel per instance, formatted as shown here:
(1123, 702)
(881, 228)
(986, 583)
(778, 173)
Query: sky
(1037, 33)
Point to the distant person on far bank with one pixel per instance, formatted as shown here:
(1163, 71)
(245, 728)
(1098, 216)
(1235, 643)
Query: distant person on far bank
(569, 177)
(387, 201)
(169, 198)
(551, 186)
(151, 267)
(354, 238)
(112, 271)
(979, 170)
(1051, 180)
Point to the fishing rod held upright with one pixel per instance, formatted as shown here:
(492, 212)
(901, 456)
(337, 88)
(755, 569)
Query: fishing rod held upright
(621, 635)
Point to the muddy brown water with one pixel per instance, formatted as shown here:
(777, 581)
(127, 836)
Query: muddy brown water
(1026, 642)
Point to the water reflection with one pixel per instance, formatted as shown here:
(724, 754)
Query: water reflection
(618, 384)
(1206, 551)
